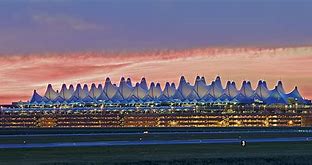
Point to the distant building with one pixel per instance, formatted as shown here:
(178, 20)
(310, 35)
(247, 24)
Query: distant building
(200, 92)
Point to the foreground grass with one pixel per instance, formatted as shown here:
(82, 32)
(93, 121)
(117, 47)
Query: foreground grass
(256, 153)
(216, 154)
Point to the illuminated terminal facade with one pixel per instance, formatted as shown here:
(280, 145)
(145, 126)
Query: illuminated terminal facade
(187, 105)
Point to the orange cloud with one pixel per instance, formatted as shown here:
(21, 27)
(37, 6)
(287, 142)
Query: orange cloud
(22, 73)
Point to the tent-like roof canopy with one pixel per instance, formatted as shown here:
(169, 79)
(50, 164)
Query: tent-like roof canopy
(185, 92)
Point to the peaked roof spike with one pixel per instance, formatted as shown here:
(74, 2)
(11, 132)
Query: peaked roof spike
(35, 97)
(203, 79)
(50, 93)
(295, 94)
(49, 85)
(197, 78)
(78, 86)
(218, 78)
(64, 86)
(173, 85)
(143, 84)
(107, 80)
(85, 87)
(71, 86)
(129, 82)
(93, 85)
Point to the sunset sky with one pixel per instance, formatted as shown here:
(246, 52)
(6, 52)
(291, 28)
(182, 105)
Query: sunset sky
(80, 41)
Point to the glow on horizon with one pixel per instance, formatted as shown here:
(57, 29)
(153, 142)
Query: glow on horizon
(21, 74)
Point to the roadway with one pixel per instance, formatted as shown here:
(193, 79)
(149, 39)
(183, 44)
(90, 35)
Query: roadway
(158, 133)
(153, 142)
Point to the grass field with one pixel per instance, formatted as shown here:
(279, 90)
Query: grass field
(257, 153)
(216, 154)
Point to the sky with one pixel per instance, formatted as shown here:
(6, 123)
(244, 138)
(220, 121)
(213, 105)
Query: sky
(84, 41)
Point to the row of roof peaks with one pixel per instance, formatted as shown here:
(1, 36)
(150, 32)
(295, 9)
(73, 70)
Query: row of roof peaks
(185, 92)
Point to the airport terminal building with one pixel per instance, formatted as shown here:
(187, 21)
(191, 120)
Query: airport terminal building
(143, 105)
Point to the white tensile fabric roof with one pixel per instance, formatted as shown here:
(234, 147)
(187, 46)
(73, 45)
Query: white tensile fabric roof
(185, 92)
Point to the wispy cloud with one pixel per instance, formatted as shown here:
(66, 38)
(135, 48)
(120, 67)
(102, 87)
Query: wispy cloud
(66, 21)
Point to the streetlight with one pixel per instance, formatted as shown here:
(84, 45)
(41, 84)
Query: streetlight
(243, 143)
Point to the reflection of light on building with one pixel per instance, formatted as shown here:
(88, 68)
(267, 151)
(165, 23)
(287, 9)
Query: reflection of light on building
(123, 118)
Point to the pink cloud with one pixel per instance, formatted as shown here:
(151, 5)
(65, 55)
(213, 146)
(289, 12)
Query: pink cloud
(22, 73)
